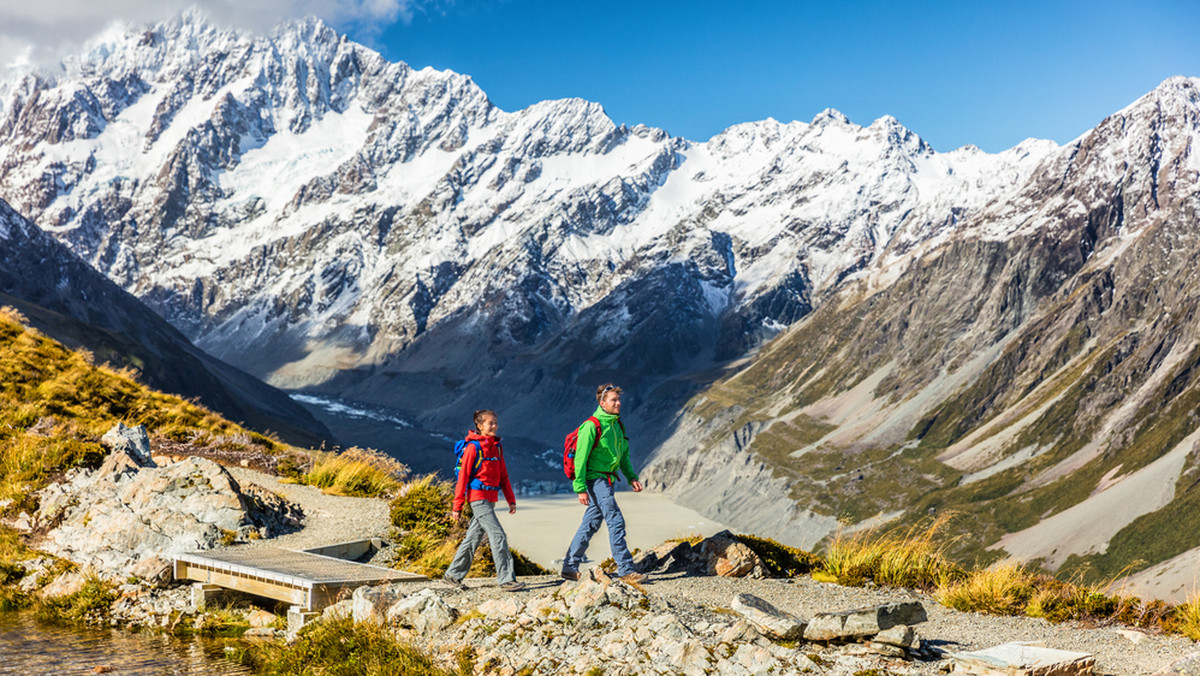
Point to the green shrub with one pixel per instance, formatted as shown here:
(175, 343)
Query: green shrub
(424, 504)
(341, 647)
(780, 559)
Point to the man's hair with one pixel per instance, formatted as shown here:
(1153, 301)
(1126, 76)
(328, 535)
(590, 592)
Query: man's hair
(605, 389)
(479, 415)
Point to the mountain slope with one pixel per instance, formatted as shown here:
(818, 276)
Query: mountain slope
(1035, 371)
(66, 299)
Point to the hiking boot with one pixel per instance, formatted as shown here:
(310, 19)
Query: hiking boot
(568, 575)
(635, 578)
(513, 586)
(453, 582)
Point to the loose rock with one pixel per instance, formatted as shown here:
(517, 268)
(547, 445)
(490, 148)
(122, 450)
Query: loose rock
(863, 622)
(768, 619)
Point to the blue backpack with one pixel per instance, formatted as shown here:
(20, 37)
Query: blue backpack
(459, 447)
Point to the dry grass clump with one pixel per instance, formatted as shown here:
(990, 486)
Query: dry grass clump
(1186, 618)
(340, 647)
(357, 472)
(912, 557)
(1003, 589)
(90, 605)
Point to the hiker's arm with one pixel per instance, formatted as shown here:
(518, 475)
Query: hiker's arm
(627, 465)
(464, 480)
(583, 448)
(506, 488)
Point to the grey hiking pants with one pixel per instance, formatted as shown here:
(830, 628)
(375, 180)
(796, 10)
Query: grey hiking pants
(483, 521)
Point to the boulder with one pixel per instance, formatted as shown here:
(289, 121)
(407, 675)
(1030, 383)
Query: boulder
(132, 441)
(502, 608)
(863, 622)
(66, 584)
(1024, 659)
(339, 610)
(371, 603)
(109, 520)
(755, 659)
(259, 618)
(769, 620)
(669, 557)
(154, 570)
(424, 611)
(740, 632)
(725, 556)
(901, 636)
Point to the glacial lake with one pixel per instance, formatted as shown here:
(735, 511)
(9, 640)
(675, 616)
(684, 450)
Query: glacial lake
(29, 648)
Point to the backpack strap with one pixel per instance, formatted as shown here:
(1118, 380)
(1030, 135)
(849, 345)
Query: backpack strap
(596, 442)
(479, 458)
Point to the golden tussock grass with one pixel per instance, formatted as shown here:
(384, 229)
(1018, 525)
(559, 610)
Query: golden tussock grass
(357, 472)
(1002, 589)
(914, 557)
(55, 404)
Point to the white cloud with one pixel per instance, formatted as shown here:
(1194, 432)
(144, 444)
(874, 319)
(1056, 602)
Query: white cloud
(40, 32)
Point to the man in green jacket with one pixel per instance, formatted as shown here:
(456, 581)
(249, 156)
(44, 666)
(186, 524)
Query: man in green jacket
(596, 465)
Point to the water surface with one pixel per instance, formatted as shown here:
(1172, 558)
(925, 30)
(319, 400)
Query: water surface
(29, 647)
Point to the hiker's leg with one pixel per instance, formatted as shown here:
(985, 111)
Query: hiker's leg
(461, 564)
(616, 527)
(486, 513)
(592, 518)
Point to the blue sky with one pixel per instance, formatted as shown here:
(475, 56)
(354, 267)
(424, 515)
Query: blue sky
(987, 73)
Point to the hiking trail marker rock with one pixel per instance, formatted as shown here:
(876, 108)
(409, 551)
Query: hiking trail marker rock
(1024, 659)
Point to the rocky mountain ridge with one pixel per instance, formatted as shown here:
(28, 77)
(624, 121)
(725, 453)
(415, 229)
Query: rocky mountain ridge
(1034, 371)
(328, 220)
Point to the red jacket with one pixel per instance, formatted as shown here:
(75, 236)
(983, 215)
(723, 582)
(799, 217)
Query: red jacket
(491, 472)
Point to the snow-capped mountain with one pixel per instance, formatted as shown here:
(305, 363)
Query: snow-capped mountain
(305, 209)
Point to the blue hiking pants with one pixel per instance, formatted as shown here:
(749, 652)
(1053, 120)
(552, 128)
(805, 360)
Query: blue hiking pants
(602, 508)
(483, 520)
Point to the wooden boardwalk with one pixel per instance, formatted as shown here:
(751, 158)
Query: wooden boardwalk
(306, 580)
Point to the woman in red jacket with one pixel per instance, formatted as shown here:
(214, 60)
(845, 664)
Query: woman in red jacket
(482, 477)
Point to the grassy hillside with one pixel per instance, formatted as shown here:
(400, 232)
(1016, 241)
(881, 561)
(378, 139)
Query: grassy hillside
(55, 404)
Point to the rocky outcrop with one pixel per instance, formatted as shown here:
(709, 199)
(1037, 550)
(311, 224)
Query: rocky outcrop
(122, 516)
(721, 554)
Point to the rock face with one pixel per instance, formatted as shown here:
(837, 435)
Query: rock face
(124, 513)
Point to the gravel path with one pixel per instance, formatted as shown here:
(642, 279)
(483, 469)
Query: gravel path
(330, 519)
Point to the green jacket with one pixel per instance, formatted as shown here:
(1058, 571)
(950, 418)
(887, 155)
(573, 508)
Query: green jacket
(612, 451)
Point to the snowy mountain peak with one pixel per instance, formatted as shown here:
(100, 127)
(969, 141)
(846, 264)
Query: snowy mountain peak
(830, 116)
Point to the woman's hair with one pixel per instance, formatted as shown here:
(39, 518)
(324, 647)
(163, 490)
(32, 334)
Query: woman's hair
(479, 415)
(605, 389)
